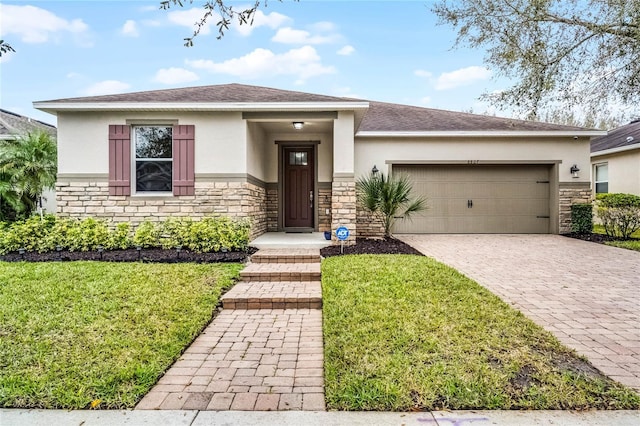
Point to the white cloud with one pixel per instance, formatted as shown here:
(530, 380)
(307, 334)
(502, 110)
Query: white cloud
(346, 50)
(423, 73)
(189, 18)
(35, 25)
(106, 87)
(273, 20)
(73, 74)
(175, 76)
(345, 92)
(302, 63)
(461, 77)
(130, 29)
(323, 26)
(425, 101)
(289, 35)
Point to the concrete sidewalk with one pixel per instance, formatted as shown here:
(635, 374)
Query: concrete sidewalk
(16, 417)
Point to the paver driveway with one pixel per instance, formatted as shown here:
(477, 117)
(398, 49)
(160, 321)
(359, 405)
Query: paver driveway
(586, 294)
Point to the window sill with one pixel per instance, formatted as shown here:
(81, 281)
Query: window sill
(153, 195)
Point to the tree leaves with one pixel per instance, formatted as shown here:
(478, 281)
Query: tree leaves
(560, 52)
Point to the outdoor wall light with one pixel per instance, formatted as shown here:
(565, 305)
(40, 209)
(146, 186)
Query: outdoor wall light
(574, 171)
(298, 125)
(374, 170)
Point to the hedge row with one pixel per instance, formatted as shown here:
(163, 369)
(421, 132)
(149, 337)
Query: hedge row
(51, 233)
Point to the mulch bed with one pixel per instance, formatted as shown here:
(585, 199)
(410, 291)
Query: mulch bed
(132, 255)
(595, 238)
(371, 246)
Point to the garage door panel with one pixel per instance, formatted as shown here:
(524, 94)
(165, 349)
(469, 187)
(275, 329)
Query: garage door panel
(506, 199)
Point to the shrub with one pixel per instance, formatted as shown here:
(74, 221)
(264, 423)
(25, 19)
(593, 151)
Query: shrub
(387, 198)
(87, 235)
(176, 233)
(620, 214)
(582, 218)
(147, 235)
(29, 234)
(219, 233)
(120, 237)
(41, 235)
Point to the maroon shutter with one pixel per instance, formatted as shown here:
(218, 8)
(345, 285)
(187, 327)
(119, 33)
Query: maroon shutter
(183, 160)
(119, 160)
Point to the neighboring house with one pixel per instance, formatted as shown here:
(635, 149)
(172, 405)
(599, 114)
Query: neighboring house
(13, 125)
(290, 160)
(615, 159)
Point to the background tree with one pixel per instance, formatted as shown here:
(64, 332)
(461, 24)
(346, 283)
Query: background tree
(387, 198)
(574, 52)
(28, 166)
(5, 48)
(220, 8)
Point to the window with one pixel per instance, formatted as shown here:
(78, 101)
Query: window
(298, 158)
(602, 178)
(153, 158)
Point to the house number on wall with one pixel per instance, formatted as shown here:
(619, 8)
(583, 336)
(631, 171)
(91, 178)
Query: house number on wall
(473, 161)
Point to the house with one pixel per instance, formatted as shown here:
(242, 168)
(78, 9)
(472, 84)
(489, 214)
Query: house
(615, 160)
(13, 125)
(289, 160)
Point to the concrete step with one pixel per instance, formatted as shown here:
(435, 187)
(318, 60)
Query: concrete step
(281, 272)
(286, 256)
(274, 295)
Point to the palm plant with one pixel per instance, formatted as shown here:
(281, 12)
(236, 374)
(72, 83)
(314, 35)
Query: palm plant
(28, 166)
(388, 197)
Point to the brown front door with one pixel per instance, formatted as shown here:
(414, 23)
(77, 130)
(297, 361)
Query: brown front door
(298, 188)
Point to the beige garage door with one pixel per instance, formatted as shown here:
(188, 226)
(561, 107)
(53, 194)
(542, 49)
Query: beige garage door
(479, 199)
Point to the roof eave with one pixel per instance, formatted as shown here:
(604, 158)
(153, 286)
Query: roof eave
(482, 133)
(615, 150)
(53, 107)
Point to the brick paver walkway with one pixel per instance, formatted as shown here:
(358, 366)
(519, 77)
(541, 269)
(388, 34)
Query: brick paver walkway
(255, 359)
(586, 294)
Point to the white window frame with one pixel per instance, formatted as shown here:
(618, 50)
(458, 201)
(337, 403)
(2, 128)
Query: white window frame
(134, 160)
(595, 178)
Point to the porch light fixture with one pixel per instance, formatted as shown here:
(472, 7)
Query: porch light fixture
(374, 170)
(298, 125)
(574, 170)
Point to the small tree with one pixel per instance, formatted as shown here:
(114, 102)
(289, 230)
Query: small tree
(387, 197)
(28, 166)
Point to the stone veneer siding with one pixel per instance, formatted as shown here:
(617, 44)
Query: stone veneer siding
(570, 193)
(343, 208)
(324, 207)
(272, 207)
(369, 225)
(233, 199)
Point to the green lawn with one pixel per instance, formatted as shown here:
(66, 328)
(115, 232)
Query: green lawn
(629, 245)
(78, 332)
(405, 332)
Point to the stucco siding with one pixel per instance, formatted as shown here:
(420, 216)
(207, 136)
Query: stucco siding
(379, 152)
(624, 171)
(220, 145)
(256, 150)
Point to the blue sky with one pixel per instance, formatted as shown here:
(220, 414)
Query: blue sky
(379, 50)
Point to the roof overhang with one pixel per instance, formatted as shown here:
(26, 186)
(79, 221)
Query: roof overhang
(615, 150)
(56, 106)
(484, 134)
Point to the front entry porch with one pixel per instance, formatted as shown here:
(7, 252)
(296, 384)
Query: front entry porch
(290, 240)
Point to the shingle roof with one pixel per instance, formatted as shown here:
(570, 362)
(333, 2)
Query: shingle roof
(618, 138)
(405, 118)
(217, 93)
(379, 117)
(14, 124)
